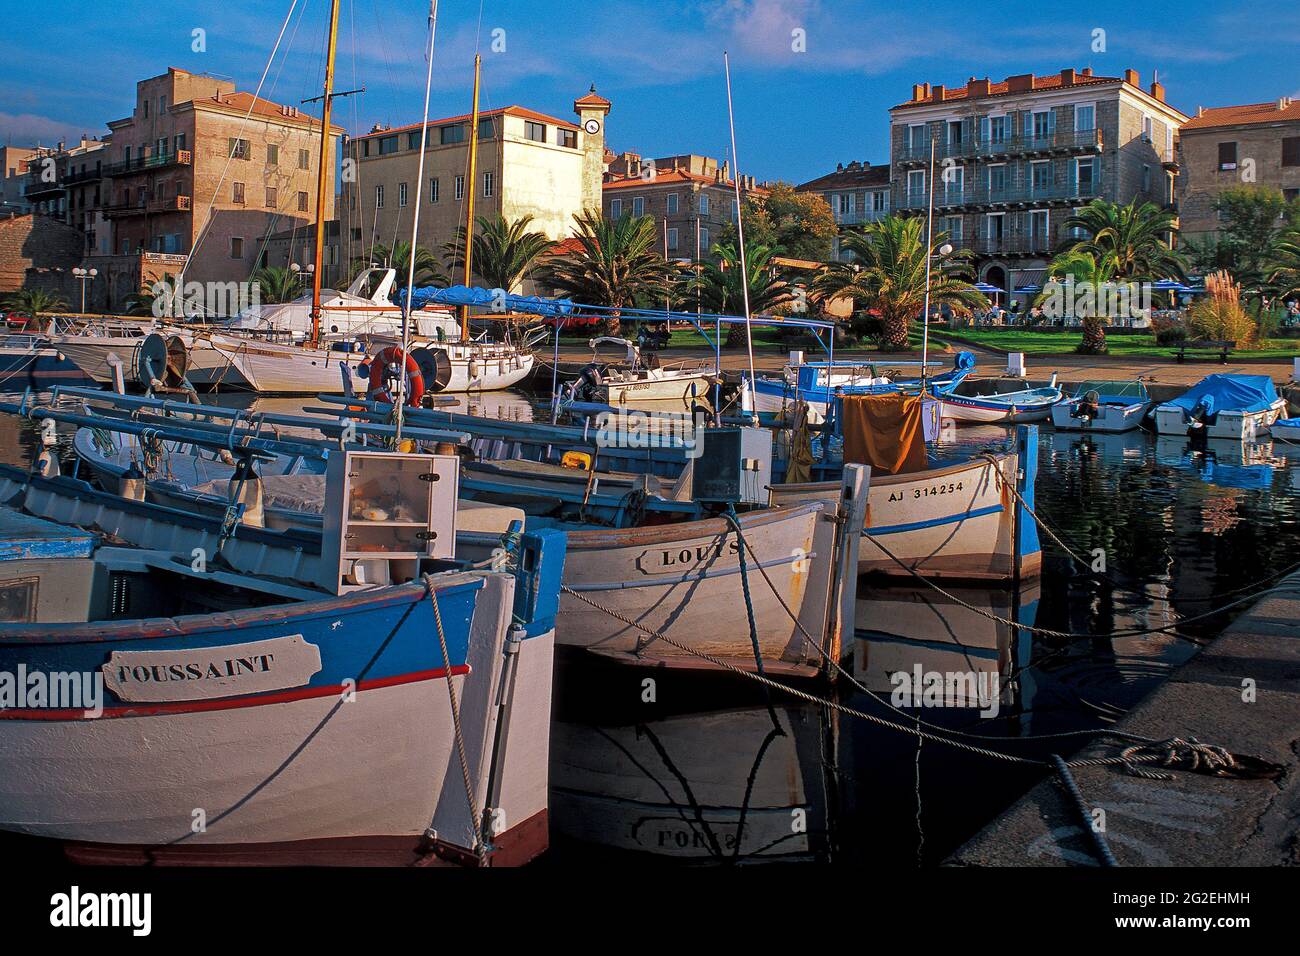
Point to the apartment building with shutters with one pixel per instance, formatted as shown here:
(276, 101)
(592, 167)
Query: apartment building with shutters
(1014, 159)
(1225, 146)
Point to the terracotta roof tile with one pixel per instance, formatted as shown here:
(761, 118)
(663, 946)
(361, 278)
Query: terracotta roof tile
(1247, 115)
(239, 101)
(853, 176)
(669, 176)
(1050, 82)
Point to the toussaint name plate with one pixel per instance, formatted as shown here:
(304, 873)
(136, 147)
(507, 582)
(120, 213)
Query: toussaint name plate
(211, 672)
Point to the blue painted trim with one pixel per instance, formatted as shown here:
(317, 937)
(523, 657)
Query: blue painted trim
(1027, 542)
(935, 522)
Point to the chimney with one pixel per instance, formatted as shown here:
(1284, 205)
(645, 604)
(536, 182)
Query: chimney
(918, 92)
(839, 167)
(1087, 71)
(1284, 103)
(977, 87)
(1067, 77)
(1200, 111)
(1132, 78)
(925, 90)
(938, 93)
(1020, 83)
(1158, 90)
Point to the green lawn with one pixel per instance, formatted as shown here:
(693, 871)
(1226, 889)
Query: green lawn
(1064, 343)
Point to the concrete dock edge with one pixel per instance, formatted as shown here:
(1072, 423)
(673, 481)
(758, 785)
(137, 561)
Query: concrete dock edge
(1194, 819)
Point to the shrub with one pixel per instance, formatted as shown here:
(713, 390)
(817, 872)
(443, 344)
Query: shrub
(1219, 316)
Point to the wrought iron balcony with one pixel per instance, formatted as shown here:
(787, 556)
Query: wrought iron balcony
(1059, 141)
(151, 207)
(1018, 193)
(147, 163)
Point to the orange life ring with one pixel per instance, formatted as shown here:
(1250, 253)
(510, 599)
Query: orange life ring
(378, 370)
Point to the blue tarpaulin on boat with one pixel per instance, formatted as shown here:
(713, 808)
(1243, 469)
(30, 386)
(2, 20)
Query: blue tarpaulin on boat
(1218, 393)
(497, 299)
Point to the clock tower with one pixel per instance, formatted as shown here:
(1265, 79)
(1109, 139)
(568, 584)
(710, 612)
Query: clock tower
(592, 110)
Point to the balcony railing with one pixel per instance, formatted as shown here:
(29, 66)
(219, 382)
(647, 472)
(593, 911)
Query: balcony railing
(141, 164)
(151, 207)
(859, 218)
(1020, 193)
(1012, 244)
(1057, 141)
(38, 189)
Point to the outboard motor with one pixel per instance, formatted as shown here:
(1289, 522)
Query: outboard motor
(1200, 416)
(1087, 408)
(589, 379)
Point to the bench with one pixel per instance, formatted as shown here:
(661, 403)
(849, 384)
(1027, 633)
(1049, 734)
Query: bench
(1223, 348)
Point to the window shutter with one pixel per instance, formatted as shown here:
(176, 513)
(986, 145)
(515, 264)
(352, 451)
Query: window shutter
(984, 130)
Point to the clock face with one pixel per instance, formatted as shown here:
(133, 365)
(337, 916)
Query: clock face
(592, 126)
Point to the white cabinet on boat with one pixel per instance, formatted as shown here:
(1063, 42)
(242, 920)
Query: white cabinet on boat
(384, 513)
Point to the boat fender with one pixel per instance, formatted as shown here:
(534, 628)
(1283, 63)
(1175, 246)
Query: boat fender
(386, 366)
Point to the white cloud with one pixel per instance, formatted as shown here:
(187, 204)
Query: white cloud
(25, 129)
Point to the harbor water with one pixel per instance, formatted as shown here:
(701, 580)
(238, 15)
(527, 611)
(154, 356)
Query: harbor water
(712, 768)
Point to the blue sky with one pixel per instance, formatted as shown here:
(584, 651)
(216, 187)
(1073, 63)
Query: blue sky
(71, 69)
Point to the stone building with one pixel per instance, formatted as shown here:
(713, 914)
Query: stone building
(13, 180)
(690, 197)
(857, 193)
(1227, 146)
(39, 251)
(1014, 159)
(204, 171)
(529, 164)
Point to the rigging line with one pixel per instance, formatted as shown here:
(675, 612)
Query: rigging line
(207, 217)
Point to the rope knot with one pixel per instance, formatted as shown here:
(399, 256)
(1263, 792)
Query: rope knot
(1178, 753)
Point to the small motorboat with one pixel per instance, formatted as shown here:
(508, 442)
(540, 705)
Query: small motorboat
(626, 377)
(1286, 429)
(1239, 407)
(1103, 406)
(1026, 405)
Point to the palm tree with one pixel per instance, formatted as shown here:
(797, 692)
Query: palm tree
(277, 284)
(34, 301)
(1135, 237)
(1283, 272)
(615, 264)
(888, 272)
(1084, 267)
(720, 288)
(1130, 243)
(505, 252)
(428, 271)
(156, 294)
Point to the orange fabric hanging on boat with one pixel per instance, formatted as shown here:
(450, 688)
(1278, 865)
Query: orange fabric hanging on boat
(886, 432)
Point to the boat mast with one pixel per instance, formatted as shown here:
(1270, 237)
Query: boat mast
(323, 178)
(929, 245)
(740, 236)
(407, 306)
(469, 204)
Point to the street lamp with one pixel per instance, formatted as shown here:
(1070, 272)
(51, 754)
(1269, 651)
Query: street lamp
(84, 276)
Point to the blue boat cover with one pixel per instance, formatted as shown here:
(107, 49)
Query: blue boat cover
(1238, 393)
(487, 298)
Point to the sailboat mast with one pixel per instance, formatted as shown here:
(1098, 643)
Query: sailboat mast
(469, 203)
(740, 235)
(324, 179)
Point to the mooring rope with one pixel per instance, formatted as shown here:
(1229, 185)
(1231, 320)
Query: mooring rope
(1166, 752)
(479, 847)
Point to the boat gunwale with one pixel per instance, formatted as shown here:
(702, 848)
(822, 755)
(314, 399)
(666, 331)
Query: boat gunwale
(877, 480)
(600, 538)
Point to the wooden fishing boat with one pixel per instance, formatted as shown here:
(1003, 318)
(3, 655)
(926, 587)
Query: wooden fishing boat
(1103, 406)
(1237, 407)
(259, 718)
(965, 520)
(685, 581)
(1026, 405)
